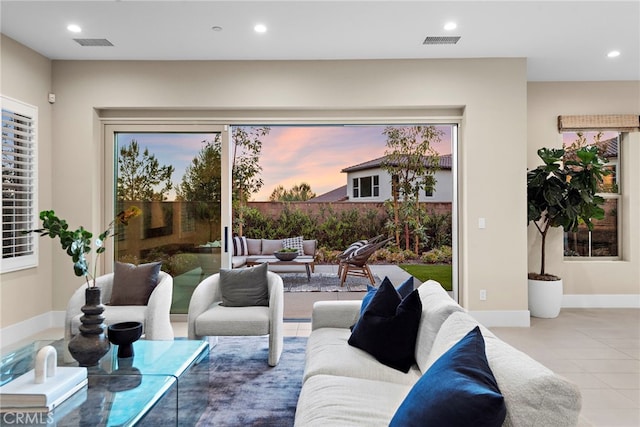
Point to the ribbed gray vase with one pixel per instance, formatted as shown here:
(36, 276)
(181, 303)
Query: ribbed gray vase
(91, 344)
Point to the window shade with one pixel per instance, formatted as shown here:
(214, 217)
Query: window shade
(615, 122)
(18, 186)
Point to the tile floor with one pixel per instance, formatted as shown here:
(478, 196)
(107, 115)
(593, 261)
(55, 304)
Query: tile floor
(598, 349)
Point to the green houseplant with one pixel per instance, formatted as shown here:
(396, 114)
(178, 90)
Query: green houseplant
(562, 192)
(78, 243)
(90, 344)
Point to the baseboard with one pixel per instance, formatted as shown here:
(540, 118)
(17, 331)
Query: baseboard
(18, 331)
(505, 318)
(601, 301)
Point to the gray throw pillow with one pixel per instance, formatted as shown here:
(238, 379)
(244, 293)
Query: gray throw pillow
(244, 287)
(133, 284)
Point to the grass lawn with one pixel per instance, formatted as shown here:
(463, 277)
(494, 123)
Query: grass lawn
(439, 272)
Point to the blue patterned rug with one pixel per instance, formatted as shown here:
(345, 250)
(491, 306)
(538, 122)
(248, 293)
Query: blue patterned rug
(245, 391)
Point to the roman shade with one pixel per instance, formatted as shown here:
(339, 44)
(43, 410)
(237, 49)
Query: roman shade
(599, 122)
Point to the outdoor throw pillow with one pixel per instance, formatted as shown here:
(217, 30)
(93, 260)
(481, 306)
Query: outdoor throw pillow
(458, 390)
(388, 327)
(403, 290)
(133, 284)
(240, 247)
(244, 287)
(294, 243)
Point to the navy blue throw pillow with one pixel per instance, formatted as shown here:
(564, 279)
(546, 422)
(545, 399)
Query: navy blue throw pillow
(404, 290)
(458, 390)
(388, 328)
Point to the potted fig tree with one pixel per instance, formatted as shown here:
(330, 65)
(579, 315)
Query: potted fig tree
(562, 192)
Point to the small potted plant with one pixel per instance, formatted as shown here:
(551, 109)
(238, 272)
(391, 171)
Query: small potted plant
(562, 192)
(286, 254)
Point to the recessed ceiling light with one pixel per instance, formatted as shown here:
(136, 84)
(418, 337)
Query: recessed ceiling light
(450, 26)
(613, 54)
(216, 28)
(260, 28)
(74, 28)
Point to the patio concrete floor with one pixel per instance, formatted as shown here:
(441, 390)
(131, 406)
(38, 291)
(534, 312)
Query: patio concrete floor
(298, 305)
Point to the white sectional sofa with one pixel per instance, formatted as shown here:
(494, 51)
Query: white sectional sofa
(345, 386)
(264, 249)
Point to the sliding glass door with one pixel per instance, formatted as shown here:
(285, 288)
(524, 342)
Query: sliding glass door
(175, 177)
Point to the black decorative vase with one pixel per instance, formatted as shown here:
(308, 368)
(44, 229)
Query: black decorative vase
(90, 344)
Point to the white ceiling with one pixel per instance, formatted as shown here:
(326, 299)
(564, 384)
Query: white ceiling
(562, 40)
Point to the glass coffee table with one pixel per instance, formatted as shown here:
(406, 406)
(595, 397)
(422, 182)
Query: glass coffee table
(164, 383)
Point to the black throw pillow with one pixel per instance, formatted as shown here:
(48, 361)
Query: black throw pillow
(388, 328)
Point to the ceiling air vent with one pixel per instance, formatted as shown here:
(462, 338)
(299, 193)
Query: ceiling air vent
(441, 40)
(93, 42)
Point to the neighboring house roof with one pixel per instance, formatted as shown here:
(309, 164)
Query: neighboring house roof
(445, 163)
(337, 195)
(612, 148)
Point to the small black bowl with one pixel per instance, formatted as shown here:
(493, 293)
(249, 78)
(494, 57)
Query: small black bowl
(286, 256)
(123, 335)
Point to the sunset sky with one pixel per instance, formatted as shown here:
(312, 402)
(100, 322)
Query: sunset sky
(290, 154)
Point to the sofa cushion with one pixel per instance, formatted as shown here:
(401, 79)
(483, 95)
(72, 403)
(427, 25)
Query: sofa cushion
(336, 401)
(271, 246)
(459, 389)
(437, 305)
(309, 247)
(240, 246)
(254, 246)
(244, 287)
(328, 353)
(235, 321)
(294, 243)
(533, 394)
(133, 284)
(238, 261)
(387, 329)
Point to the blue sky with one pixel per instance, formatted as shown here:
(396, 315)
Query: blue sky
(290, 154)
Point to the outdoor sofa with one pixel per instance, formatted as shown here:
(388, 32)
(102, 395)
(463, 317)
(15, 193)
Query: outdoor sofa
(345, 386)
(247, 251)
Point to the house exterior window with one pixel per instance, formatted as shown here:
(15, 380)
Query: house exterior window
(366, 187)
(604, 240)
(19, 250)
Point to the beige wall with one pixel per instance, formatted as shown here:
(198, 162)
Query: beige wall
(492, 94)
(546, 101)
(26, 76)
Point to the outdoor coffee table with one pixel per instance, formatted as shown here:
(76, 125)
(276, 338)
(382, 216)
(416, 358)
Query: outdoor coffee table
(297, 261)
(161, 385)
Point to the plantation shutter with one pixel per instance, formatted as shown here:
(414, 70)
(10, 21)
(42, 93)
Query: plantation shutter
(19, 250)
(601, 122)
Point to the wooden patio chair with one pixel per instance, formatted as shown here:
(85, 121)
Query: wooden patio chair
(356, 264)
(352, 248)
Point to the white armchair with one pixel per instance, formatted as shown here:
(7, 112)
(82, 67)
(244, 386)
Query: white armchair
(155, 316)
(208, 318)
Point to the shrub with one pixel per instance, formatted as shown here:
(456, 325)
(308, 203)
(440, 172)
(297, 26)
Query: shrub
(441, 255)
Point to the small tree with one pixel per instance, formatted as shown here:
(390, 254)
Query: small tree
(562, 193)
(412, 162)
(201, 183)
(298, 193)
(140, 177)
(246, 169)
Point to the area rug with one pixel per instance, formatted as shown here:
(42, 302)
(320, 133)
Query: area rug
(245, 391)
(324, 282)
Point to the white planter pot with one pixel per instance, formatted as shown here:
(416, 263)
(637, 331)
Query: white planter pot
(545, 298)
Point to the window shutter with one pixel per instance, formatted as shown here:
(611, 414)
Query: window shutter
(19, 250)
(613, 122)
